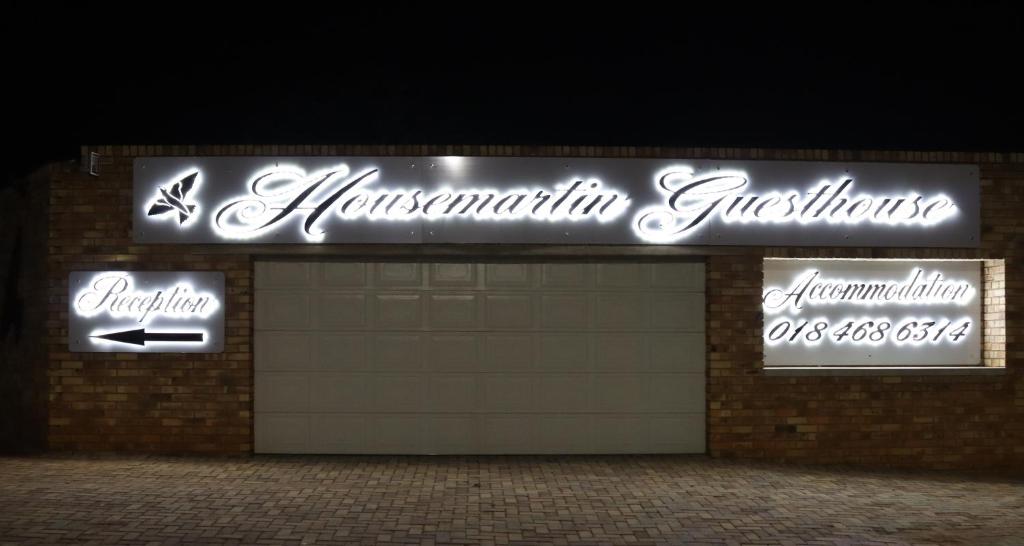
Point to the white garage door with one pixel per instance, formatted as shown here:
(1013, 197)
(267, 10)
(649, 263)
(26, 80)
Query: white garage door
(479, 358)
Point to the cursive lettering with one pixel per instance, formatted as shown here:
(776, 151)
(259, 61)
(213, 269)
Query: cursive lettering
(918, 288)
(694, 200)
(115, 295)
(278, 193)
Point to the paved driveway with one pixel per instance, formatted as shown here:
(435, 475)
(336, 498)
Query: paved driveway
(493, 500)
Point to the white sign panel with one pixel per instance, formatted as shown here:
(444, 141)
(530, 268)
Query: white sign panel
(513, 200)
(872, 312)
(133, 311)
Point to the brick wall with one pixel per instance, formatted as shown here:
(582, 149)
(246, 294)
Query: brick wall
(993, 313)
(932, 420)
(192, 403)
(130, 401)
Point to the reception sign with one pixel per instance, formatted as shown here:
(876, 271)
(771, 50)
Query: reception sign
(871, 312)
(133, 311)
(511, 200)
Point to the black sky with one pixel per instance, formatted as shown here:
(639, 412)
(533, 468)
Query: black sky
(927, 76)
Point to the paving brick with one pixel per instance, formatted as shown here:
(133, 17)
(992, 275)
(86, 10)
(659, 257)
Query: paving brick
(642, 500)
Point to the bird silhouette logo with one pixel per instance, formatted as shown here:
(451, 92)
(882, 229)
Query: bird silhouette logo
(173, 201)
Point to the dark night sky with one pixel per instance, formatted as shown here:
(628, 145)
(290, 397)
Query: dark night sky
(863, 76)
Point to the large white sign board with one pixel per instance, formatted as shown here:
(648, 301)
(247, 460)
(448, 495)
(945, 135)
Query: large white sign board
(871, 312)
(146, 312)
(570, 201)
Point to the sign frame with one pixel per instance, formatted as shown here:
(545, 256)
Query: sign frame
(146, 311)
(552, 201)
(877, 313)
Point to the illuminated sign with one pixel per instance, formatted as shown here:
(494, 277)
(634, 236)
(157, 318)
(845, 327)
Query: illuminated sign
(694, 200)
(133, 311)
(227, 200)
(172, 201)
(871, 312)
(277, 193)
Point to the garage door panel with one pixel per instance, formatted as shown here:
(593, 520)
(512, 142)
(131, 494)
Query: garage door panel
(509, 276)
(564, 353)
(286, 351)
(284, 274)
(509, 312)
(561, 433)
(454, 312)
(282, 433)
(454, 433)
(398, 311)
(397, 351)
(624, 275)
(453, 274)
(677, 433)
(454, 392)
(453, 353)
(281, 392)
(565, 311)
(508, 433)
(406, 358)
(621, 311)
(677, 353)
(567, 393)
(343, 275)
(676, 312)
(283, 311)
(398, 274)
(339, 392)
(620, 352)
(676, 392)
(621, 392)
(507, 393)
(508, 353)
(566, 276)
(621, 434)
(341, 352)
(398, 392)
(341, 311)
(400, 434)
(339, 433)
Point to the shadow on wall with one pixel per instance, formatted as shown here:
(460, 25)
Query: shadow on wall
(22, 280)
(13, 311)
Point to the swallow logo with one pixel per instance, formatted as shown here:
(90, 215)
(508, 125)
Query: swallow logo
(174, 201)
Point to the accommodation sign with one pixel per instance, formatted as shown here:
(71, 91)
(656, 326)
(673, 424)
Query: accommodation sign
(514, 200)
(134, 311)
(872, 312)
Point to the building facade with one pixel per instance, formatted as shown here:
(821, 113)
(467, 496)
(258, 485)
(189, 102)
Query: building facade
(354, 330)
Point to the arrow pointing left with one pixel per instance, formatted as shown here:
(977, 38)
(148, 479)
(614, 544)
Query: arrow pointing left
(140, 337)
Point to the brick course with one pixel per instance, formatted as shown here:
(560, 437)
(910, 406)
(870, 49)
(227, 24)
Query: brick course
(203, 403)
